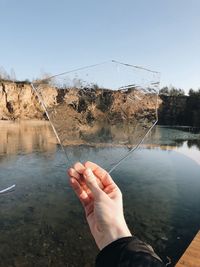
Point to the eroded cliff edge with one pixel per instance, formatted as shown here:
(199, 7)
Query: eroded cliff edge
(19, 101)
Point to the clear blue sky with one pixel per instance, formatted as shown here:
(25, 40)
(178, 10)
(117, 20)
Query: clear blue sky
(55, 36)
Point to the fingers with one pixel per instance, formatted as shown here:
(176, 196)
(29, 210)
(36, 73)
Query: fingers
(102, 174)
(79, 167)
(73, 173)
(92, 183)
(77, 172)
(79, 178)
(81, 194)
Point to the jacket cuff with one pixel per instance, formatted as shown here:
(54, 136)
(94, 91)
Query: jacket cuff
(111, 254)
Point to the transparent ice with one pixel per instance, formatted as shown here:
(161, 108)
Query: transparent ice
(105, 106)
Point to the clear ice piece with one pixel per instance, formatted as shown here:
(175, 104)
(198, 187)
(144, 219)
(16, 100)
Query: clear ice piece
(105, 106)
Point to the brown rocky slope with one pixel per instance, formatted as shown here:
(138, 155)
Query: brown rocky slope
(19, 101)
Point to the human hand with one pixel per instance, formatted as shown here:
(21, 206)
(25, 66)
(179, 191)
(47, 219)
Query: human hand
(102, 201)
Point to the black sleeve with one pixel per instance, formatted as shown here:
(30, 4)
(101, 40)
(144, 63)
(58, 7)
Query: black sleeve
(128, 252)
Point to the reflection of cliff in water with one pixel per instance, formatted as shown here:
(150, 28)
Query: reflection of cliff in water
(174, 136)
(186, 142)
(25, 137)
(105, 135)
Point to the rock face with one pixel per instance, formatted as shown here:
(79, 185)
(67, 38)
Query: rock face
(17, 101)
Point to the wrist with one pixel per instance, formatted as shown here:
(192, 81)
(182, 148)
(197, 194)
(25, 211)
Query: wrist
(115, 232)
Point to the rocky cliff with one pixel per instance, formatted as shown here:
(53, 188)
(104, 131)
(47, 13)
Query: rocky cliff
(18, 101)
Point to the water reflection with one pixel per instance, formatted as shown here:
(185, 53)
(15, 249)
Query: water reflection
(173, 136)
(42, 223)
(30, 136)
(185, 141)
(25, 137)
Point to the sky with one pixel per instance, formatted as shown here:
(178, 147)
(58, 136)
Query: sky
(54, 36)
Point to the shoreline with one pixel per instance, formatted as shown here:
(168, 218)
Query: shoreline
(193, 153)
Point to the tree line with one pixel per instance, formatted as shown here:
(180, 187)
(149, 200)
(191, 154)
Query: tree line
(178, 108)
(172, 91)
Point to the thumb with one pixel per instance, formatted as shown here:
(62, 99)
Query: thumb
(91, 182)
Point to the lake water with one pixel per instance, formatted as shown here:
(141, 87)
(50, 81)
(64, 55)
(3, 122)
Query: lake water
(41, 221)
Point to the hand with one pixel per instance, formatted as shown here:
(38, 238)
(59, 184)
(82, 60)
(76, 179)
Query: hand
(102, 201)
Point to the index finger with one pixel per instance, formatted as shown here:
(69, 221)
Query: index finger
(102, 174)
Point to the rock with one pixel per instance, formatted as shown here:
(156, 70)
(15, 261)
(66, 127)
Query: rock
(19, 101)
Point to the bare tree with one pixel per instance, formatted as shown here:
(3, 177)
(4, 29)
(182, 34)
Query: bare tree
(12, 75)
(3, 74)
